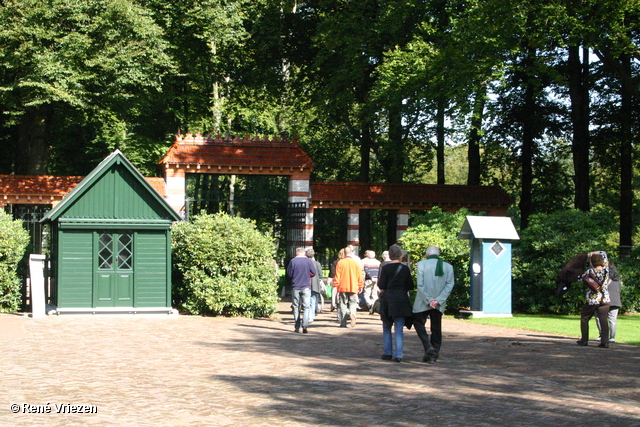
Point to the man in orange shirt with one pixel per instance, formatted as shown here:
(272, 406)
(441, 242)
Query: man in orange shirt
(349, 282)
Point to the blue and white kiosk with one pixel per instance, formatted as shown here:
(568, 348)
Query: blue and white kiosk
(490, 264)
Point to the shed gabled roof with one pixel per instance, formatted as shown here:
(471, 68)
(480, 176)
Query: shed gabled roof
(133, 183)
(232, 155)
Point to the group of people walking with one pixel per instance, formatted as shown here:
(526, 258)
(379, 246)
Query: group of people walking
(384, 287)
(378, 287)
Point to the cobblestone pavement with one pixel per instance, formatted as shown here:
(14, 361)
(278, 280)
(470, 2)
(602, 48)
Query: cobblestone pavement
(196, 371)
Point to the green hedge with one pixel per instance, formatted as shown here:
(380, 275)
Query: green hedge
(438, 228)
(552, 240)
(14, 240)
(223, 266)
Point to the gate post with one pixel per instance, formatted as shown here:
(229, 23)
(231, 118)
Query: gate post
(402, 222)
(353, 229)
(176, 185)
(300, 229)
(36, 270)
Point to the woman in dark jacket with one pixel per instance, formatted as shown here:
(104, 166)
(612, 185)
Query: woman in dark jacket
(394, 283)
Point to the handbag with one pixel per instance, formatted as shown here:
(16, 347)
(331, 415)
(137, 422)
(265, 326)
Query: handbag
(591, 280)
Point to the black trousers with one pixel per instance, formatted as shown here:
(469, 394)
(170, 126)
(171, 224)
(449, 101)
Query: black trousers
(602, 311)
(419, 322)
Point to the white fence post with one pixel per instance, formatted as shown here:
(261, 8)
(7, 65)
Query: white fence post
(36, 271)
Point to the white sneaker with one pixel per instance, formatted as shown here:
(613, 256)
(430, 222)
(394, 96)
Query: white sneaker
(612, 340)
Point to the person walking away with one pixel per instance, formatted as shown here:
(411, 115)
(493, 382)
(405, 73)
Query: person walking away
(352, 254)
(316, 287)
(348, 282)
(371, 273)
(394, 282)
(615, 287)
(385, 259)
(435, 282)
(597, 301)
(300, 271)
(332, 275)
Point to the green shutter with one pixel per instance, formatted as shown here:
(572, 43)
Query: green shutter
(75, 277)
(151, 269)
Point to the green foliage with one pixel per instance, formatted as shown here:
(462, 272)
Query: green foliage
(13, 243)
(550, 241)
(223, 266)
(629, 269)
(80, 74)
(438, 228)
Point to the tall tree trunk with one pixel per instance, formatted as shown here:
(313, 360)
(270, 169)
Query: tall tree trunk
(197, 194)
(473, 148)
(216, 108)
(630, 96)
(392, 225)
(232, 195)
(579, 94)
(626, 162)
(33, 151)
(365, 216)
(396, 174)
(366, 142)
(440, 140)
(528, 141)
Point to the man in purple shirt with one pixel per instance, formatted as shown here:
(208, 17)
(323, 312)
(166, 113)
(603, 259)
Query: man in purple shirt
(300, 271)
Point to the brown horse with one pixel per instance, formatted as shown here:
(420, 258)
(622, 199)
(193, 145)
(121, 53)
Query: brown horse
(571, 273)
(574, 269)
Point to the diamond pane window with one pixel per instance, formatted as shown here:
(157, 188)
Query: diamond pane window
(105, 250)
(497, 248)
(125, 251)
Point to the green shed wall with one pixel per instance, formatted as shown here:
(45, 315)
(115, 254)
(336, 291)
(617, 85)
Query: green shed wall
(75, 269)
(152, 278)
(151, 272)
(114, 201)
(116, 195)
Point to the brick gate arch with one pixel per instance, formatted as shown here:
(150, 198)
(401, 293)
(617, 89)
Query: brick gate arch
(256, 156)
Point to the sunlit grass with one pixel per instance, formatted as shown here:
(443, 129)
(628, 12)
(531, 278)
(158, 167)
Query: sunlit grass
(627, 331)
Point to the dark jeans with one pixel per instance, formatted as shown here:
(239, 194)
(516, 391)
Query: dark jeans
(602, 311)
(419, 322)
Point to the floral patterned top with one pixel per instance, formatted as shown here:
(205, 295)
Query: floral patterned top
(602, 297)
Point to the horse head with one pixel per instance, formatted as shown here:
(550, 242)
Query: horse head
(570, 273)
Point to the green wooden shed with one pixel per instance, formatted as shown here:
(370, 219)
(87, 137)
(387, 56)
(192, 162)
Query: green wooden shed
(111, 244)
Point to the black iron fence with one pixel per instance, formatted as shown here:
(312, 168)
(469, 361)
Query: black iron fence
(30, 215)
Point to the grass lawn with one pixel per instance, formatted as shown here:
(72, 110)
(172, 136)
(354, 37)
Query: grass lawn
(627, 330)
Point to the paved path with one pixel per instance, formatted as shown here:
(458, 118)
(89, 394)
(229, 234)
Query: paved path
(196, 371)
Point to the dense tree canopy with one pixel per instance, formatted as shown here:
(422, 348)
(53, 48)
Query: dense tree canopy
(540, 97)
